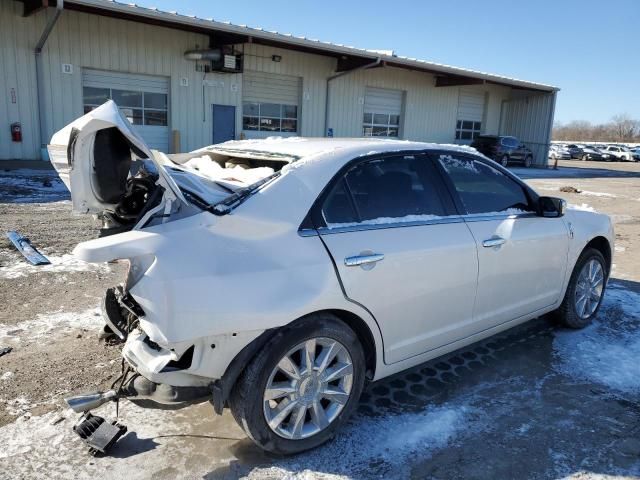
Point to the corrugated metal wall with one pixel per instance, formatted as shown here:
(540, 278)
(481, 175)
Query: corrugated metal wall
(17, 82)
(530, 118)
(90, 41)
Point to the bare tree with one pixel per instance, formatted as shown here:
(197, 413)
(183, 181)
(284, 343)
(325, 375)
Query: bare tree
(621, 128)
(625, 128)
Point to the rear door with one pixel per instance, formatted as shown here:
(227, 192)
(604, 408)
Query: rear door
(402, 252)
(522, 256)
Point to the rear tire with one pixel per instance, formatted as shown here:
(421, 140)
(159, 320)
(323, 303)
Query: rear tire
(264, 391)
(572, 312)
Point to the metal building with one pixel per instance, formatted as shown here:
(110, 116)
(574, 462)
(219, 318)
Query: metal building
(186, 82)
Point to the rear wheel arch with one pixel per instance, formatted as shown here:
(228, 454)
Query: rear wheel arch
(222, 388)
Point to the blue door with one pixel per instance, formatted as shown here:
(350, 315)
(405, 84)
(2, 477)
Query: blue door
(224, 123)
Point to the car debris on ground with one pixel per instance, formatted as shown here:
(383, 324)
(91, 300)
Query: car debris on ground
(98, 433)
(570, 189)
(24, 246)
(5, 350)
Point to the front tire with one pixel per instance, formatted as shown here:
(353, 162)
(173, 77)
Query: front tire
(504, 161)
(297, 392)
(585, 291)
(527, 161)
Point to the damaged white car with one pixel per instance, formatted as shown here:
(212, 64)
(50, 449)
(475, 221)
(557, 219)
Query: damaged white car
(276, 276)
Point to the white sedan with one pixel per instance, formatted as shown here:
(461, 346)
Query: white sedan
(277, 276)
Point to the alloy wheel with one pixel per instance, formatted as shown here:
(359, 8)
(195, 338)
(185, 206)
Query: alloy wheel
(589, 288)
(308, 388)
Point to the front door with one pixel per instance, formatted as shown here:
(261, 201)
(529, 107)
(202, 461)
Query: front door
(224, 123)
(522, 257)
(401, 253)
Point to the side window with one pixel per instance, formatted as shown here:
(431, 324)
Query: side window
(389, 188)
(482, 188)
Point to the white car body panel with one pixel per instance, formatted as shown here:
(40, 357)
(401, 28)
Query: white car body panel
(523, 275)
(204, 280)
(422, 293)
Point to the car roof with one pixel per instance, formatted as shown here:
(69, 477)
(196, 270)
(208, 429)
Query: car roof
(290, 149)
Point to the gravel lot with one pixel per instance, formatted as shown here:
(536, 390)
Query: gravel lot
(536, 402)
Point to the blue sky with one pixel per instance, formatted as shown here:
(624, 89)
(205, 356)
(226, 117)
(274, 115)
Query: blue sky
(589, 48)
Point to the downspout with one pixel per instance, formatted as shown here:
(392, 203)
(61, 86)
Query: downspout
(39, 74)
(337, 75)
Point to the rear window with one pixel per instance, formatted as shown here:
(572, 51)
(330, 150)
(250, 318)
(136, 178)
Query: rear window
(485, 140)
(392, 187)
(510, 142)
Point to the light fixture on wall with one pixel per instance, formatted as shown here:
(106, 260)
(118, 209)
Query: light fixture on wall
(276, 58)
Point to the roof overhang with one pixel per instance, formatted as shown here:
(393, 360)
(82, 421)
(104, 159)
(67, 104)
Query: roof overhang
(224, 33)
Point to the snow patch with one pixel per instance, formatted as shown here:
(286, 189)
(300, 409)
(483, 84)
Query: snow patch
(420, 218)
(29, 186)
(6, 375)
(598, 194)
(236, 175)
(45, 446)
(607, 351)
(391, 439)
(44, 324)
(64, 263)
(387, 220)
(582, 207)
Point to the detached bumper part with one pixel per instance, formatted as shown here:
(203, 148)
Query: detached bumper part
(98, 433)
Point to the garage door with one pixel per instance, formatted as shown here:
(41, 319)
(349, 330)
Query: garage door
(270, 104)
(382, 112)
(470, 114)
(143, 99)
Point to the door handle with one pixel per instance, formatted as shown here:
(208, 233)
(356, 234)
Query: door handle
(493, 242)
(358, 260)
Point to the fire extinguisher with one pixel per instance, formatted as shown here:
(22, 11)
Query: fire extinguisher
(16, 132)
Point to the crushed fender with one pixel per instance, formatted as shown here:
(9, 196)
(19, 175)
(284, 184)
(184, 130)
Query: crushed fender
(26, 249)
(98, 433)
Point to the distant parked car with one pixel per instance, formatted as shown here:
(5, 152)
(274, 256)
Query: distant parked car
(620, 152)
(503, 150)
(635, 152)
(590, 153)
(575, 150)
(607, 157)
(559, 152)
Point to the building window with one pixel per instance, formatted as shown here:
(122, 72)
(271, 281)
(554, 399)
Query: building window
(380, 125)
(140, 108)
(467, 130)
(269, 117)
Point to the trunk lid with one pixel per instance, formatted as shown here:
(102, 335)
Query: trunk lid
(96, 155)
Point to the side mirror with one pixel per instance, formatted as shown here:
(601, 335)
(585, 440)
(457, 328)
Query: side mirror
(551, 207)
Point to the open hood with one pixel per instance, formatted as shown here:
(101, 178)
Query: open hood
(97, 154)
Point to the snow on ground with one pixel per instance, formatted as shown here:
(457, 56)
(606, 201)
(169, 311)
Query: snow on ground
(45, 324)
(45, 446)
(598, 194)
(392, 439)
(584, 207)
(607, 351)
(59, 264)
(29, 186)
